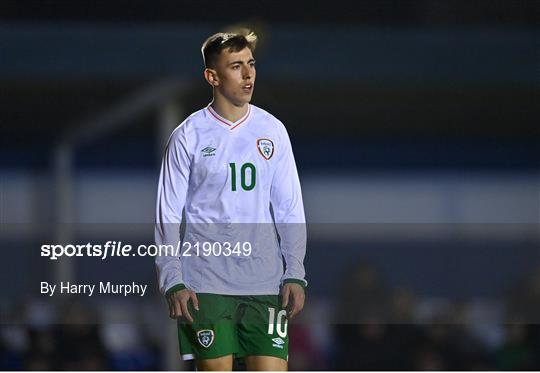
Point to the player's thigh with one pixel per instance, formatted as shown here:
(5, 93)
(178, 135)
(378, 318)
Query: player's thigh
(265, 363)
(223, 363)
(213, 333)
(262, 328)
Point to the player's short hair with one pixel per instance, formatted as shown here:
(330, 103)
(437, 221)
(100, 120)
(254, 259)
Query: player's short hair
(232, 41)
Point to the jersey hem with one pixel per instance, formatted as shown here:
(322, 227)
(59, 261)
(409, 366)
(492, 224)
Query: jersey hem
(272, 291)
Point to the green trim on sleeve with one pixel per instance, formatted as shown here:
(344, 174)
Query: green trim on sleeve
(303, 283)
(174, 289)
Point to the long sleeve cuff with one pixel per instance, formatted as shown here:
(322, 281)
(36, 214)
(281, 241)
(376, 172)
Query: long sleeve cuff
(303, 283)
(174, 289)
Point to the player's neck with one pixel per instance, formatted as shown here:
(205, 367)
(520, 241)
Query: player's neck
(227, 110)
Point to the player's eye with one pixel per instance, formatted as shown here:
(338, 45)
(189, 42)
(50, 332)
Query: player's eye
(236, 67)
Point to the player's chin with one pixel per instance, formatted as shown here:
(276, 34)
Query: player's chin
(244, 93)
(244, 99)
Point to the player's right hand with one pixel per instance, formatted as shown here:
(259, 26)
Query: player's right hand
(178, 304)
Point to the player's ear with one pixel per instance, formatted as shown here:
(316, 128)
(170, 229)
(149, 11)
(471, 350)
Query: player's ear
(211, 77)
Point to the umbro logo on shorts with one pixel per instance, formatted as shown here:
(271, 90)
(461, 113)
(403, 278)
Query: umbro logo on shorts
(205, 337)
(278, 342)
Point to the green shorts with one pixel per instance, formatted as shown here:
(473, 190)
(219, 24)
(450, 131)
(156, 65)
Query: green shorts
(234, 325)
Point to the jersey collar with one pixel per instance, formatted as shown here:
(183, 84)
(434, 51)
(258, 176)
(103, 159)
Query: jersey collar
(225, 122)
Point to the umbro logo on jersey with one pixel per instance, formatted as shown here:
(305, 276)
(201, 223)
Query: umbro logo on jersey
(278, 342)
(205, 337)
(208, 151)
(266, 148)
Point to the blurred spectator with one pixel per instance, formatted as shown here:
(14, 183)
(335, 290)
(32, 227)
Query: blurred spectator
(377, 330)
(13, 342)
(445, 346)
(363, 340)
(362, 295)
(79, 343)
(302, 351)
(41, 352)
(128, 348)
(522, 333)
(520, 351)
(524, 299)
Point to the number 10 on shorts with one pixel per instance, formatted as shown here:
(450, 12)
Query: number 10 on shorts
(277, 322)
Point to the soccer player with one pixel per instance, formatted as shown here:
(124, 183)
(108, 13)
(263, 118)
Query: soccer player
(230, 167)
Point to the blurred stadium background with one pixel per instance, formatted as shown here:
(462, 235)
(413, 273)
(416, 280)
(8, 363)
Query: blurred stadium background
(415, 130)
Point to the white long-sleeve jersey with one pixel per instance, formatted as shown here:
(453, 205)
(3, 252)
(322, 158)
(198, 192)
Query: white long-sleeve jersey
(239, 187)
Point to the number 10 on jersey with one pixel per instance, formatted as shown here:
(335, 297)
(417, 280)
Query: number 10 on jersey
(247, 183)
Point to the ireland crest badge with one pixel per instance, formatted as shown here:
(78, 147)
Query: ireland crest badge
(205, 337)
(266, 148)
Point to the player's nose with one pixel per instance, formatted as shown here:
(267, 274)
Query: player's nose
(246, 74)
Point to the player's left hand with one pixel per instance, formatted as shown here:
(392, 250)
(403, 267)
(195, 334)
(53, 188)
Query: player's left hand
(293, 297)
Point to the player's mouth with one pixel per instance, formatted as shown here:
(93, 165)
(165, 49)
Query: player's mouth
(247, 88)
